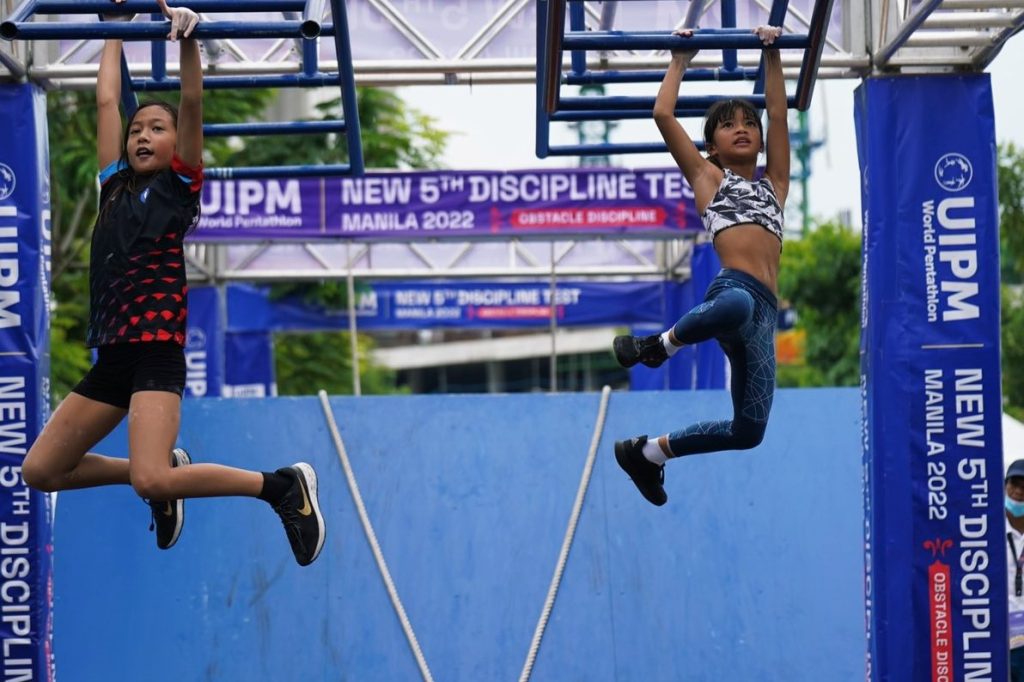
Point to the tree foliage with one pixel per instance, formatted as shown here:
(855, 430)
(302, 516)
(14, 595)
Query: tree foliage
(820, 277)
(1011, 213)
(1011, 243)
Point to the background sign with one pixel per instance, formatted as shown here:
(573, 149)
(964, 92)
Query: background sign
(934, 527)
(450, 204)
(26, 533)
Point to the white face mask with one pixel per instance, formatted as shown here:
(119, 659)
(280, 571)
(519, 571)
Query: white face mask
(1015, 508)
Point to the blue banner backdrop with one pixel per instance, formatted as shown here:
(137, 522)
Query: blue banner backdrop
(249, 365)
(464, 305)
(26, 535)
(204, 345)
(935, 587)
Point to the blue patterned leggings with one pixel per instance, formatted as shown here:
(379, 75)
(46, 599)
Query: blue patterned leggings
(740, 312)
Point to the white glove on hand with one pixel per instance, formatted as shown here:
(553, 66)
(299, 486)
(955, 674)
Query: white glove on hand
(768, 34)
(183, 20)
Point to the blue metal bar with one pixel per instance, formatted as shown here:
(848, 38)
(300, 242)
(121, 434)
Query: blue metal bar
(255, 172)
(619, 114)
(812, 56)
(284, 128)
(647, 103)
(701, 40)
(24, 12)
(346, 73)
(310, 57)
(553, 45)
(729, 60)
(577, 22)
(542, 124)
(150, 7)
(243, 82)
(603, 77)
(149, 30)
(158, 54)
(776, 16)
(129, 101)
(312, 14)
(612, 148)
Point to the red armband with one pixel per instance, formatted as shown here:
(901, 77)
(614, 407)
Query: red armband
(194, 176)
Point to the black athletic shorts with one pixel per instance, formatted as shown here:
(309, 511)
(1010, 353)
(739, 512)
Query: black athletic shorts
(124, 368)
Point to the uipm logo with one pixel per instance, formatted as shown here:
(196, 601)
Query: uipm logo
(953, 172)
(7, 181)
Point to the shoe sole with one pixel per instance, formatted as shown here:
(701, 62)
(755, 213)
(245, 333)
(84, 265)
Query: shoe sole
(309, 478)
(618, 356)
(181, 458)
(622, 458)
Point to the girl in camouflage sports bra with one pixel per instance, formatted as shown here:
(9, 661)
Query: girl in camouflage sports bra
(743, 215)
(149, 198)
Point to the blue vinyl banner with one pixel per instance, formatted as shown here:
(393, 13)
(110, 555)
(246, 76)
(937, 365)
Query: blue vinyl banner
(701, 366)
(480, 305)
(204, 344)
(935, 584)
(26, 535)
(249, 366)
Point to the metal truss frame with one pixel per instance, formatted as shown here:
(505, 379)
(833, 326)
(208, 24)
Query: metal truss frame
(877, 36)
(583, 258)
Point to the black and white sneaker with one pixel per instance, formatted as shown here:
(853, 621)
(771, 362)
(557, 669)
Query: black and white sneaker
(648, 476)
(649, 350)
(299, 510)
(168, 517)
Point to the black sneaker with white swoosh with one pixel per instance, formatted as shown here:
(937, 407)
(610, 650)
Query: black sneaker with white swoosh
(169, 516)
(299, 510)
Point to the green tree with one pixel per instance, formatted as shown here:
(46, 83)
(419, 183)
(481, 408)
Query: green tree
(1011, 213)
(820, 277)
(1011, 247)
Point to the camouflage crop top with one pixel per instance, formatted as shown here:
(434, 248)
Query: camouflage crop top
(740, 201)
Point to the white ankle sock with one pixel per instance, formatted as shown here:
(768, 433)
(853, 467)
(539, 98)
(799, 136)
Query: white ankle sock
(653, 452)
(670, 347)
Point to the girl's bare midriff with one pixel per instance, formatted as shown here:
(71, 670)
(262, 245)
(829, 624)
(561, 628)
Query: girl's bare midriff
(752, 249)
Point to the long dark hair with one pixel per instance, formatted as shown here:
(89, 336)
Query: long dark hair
(722, 111)
(125, 170)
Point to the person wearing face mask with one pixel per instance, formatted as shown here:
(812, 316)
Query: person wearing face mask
(1014, 493)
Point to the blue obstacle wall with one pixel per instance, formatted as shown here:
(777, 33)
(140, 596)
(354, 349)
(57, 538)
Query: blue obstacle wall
(753, 571)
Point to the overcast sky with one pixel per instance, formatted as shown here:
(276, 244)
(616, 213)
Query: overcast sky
(493, 129)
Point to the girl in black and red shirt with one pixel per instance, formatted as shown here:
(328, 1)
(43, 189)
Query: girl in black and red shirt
(151, 181)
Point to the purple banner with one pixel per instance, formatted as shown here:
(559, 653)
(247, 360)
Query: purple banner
(448, 204)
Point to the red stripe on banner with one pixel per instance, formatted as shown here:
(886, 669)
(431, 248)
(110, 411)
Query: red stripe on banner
(942, 625)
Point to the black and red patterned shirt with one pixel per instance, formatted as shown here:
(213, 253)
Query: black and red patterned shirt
(137, 286)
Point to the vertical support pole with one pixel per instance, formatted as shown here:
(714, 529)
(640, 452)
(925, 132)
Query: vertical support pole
(158, 54)
(934, 530)
(343, 44)
(729, 60)
(577, 22)
(26, 515)
(554, 323)
(543, 122)
(357, 388)
(129, 100)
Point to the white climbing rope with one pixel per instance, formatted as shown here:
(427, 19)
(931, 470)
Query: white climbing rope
(570, 532)
(372, 537)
